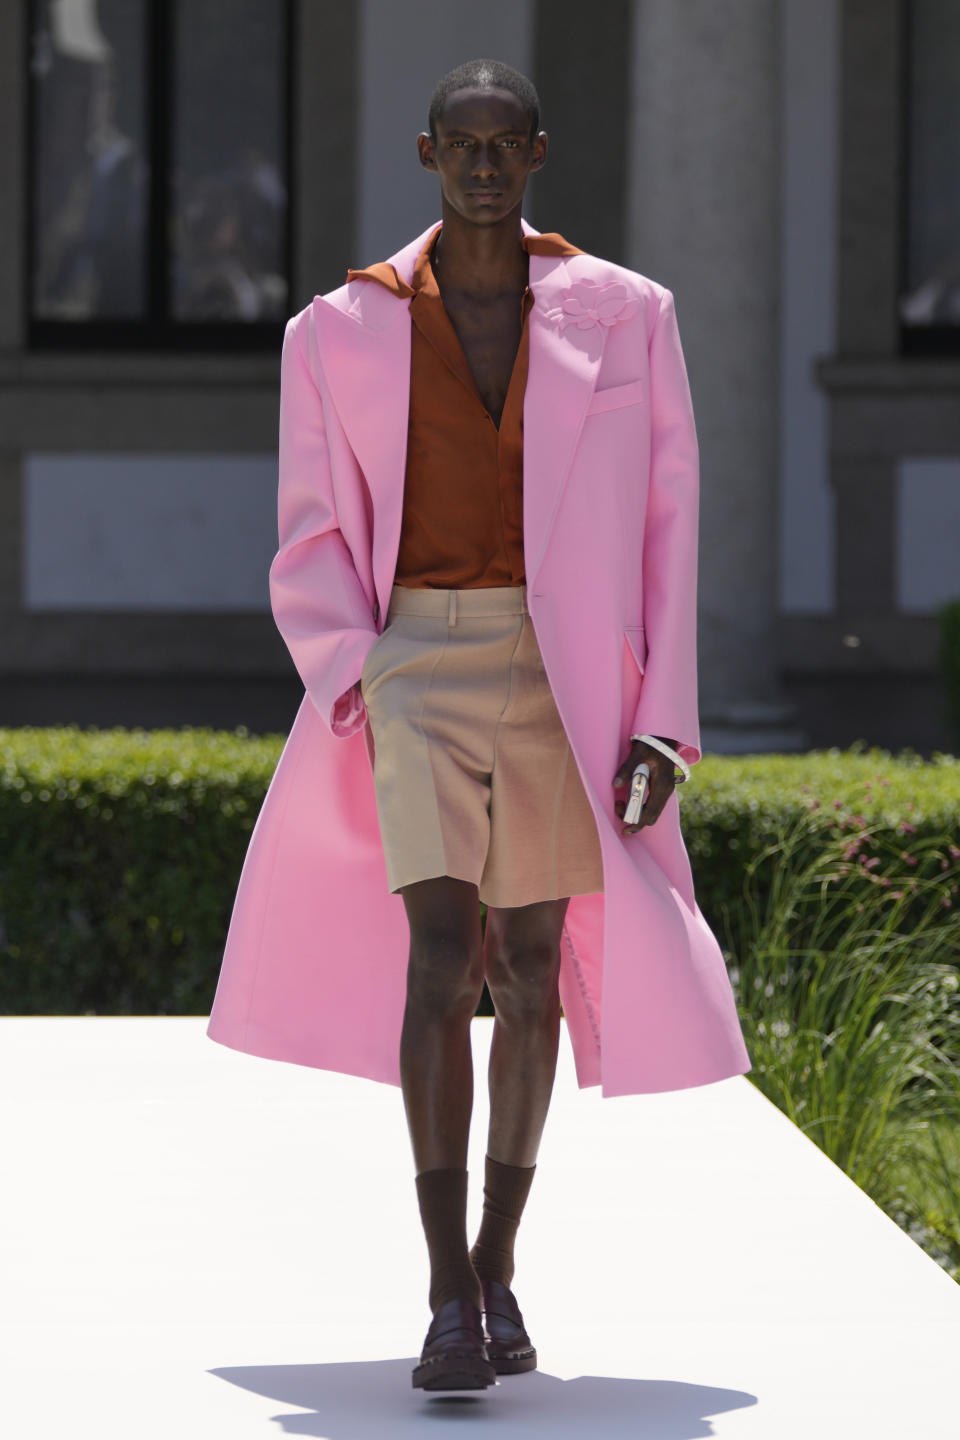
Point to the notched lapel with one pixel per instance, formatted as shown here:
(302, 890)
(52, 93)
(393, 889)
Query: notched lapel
(365, 351)
(363, 336)
(563, 369)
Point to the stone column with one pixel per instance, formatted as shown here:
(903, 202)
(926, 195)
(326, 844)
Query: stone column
(703, 219)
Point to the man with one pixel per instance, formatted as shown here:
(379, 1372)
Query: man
(489, 441)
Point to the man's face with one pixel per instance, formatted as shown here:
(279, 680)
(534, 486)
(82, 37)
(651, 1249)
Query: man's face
(483, 153)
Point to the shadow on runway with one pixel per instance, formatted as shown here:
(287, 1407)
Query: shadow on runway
(373, 1400)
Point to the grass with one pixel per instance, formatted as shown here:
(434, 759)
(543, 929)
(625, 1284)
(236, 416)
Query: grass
(847, 983)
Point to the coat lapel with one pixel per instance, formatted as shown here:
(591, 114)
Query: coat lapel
(562, 377)
(363, 334)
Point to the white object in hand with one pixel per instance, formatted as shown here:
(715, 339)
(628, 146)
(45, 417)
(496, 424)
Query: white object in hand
(639, 782)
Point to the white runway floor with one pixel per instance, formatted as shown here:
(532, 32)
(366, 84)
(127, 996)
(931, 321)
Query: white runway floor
(200, 1244)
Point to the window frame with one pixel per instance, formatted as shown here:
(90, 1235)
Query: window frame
(159, 330)
(920, 341)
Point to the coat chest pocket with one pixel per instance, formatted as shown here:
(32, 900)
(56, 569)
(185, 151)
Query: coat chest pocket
(616, 396)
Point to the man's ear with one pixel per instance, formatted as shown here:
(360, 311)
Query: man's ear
(539, 161)
(426, 145)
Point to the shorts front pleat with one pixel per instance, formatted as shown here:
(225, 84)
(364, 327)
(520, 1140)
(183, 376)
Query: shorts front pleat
(473, 772)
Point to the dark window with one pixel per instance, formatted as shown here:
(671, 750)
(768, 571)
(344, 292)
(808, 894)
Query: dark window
(159, 145)
(930, 290)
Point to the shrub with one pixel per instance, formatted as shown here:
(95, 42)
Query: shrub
(119, 856)
(120, 851)
(848, 992)
(743, 811)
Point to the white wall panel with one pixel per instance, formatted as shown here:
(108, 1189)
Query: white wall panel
(148, 532)
(928, 533)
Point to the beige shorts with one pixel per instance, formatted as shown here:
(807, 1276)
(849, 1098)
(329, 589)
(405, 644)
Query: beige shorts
(473, 772)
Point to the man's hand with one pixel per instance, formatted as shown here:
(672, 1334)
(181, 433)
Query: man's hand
(662, 782)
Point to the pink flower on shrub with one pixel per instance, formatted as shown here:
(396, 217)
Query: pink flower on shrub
(907, 858)
(906, 828)
(954, 852)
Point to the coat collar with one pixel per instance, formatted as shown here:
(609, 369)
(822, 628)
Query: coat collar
(386, 273)
(374, 307)
(363, 338)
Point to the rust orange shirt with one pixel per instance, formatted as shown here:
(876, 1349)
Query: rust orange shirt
(462, 523)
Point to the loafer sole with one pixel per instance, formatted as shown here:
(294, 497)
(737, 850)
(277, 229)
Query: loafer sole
(454, 1370)
(512, 1362)
(508, 1344)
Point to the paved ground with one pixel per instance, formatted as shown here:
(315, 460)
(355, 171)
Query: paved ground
(198, 1243)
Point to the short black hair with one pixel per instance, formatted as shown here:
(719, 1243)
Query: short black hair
(486, 75)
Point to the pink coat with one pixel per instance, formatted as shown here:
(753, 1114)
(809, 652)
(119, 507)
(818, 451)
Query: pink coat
(314, 970)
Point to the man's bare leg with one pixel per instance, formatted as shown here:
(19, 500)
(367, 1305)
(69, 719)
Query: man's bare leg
(444, 984)
(522, 960)
(522, 963)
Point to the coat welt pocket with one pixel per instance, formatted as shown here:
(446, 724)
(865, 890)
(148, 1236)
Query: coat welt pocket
(637, 640)
(616, 396)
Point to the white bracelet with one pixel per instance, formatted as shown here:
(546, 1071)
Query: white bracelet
(667, 750)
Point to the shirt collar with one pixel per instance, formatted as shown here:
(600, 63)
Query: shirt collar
(423, 278)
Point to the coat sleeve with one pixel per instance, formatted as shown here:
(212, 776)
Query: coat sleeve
(318, 601)
(668, 694)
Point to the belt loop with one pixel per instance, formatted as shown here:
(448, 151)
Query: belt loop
(452, 610)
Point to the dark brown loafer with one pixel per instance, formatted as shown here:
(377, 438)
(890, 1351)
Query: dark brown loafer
(508, 1343)
(454, 1354)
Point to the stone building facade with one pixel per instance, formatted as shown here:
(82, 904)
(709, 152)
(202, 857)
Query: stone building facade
(178, 178)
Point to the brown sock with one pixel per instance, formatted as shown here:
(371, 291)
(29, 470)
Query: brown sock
(442, 1195)
(505, 1192)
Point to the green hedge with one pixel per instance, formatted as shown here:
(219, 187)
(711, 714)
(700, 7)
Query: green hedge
(119, 857)
(120, 850)
(899, 816)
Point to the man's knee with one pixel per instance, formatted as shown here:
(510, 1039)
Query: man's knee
(445, 971)
(522, 973)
